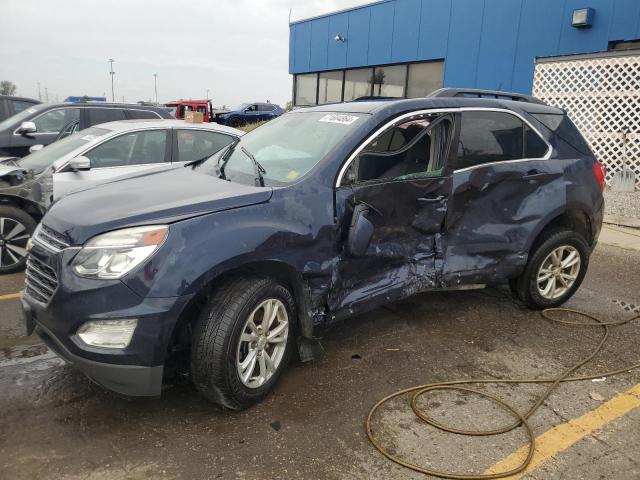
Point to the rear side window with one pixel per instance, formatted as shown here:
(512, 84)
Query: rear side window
(564, 128)
(265, 108)
(199, 144)
(487, 137)
(103, 115)
(142, 114)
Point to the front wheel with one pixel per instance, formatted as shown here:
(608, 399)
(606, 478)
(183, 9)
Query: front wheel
(242, 341)
(555, 270)
(16, 227)
(235, 122)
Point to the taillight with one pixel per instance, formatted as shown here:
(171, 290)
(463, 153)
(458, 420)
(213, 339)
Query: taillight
(599, 171)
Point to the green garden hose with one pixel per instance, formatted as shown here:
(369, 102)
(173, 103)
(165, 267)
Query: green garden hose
(522, 419)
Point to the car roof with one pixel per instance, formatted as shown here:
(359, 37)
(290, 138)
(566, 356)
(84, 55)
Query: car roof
(125, 106)
(381, 106)
(22, 99)
(126, 125)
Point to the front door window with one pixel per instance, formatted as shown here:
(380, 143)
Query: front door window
(54, 121)
(135, 148)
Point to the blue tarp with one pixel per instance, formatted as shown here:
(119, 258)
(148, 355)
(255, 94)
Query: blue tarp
(86, 98)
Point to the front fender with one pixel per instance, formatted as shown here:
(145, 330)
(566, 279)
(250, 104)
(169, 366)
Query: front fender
(198, 250)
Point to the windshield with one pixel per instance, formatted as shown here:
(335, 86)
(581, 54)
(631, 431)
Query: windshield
(285, 149)
(40, 160)
(18, 118)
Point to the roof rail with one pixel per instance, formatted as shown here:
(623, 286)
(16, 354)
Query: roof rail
(478, 93)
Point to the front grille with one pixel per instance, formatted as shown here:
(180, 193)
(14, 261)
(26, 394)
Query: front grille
(41, 280)
(50, 239)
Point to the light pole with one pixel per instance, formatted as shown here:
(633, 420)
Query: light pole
(207, 94)
(112, 73)
(155, 85)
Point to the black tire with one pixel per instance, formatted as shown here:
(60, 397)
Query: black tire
(10, 217)
(235, 122)
(216, 335)
(525, 286)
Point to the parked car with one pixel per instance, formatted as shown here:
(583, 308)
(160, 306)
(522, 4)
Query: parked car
(10, 105)
(42, 124)
(95, 155)
(248, 113)
(319, 215)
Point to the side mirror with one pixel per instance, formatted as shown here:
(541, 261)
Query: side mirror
(35, 148)
(80, 163)
(360, 232)
(26, 128)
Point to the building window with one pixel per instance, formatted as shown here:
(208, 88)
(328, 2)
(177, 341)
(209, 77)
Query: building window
(389, 81)
(330, 87)
(306, 89)
(407, 80)
(424, 78)
(357, 83)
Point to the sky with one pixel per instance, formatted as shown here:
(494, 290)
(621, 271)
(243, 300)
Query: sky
(236, 49)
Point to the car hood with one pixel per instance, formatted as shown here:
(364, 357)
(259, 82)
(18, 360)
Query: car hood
(166, 196)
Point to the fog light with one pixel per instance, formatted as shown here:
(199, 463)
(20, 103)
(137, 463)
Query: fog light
(108, 333)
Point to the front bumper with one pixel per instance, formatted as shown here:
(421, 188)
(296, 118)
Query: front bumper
(128, 380)
(132, 371)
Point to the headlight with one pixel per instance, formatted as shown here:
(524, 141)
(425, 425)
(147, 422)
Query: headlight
(108, 333)
(112, 255)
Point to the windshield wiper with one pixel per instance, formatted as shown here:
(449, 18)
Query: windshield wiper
(224, 158)
(259, 169)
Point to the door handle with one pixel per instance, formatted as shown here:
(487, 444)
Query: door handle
(439, 198)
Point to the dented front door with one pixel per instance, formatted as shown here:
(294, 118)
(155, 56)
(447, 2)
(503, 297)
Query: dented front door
(403, 256)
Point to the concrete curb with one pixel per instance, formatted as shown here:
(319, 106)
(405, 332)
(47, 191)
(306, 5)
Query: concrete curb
(623, 221)
(621, 237)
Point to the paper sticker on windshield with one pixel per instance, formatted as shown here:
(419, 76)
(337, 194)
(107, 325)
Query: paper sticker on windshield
(89, 138)
(339, 118)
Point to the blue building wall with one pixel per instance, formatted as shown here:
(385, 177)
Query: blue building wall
(485, 43)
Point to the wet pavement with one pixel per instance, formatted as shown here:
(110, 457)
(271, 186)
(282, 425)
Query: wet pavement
(54, 423)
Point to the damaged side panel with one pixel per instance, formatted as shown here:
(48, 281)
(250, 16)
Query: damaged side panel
(494, 211)
(18, 184)
(402, 257)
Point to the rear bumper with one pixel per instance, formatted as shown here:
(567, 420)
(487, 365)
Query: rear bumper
(128, 380)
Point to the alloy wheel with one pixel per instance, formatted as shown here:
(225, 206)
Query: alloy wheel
(262, 343)
(13, 242)
(558, 272)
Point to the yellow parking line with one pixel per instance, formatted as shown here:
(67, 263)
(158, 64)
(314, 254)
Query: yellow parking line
(563, 436)
(9, 296)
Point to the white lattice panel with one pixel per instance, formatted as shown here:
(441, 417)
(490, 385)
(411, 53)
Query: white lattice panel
(602, 97)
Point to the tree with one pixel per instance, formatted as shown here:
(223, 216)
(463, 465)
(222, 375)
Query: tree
(7, 88)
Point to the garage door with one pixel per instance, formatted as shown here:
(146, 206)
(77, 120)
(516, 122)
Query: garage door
(601, 93)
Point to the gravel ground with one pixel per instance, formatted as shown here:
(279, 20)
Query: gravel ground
(622, 204)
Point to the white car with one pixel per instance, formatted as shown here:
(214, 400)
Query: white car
(94, 155)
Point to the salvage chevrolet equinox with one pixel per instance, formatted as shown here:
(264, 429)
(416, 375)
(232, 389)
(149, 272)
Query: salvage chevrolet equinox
(234, 262)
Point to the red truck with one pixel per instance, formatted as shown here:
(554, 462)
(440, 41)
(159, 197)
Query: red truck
(179, 107)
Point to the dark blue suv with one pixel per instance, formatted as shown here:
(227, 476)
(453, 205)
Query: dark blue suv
(237, 261)
(248, 113)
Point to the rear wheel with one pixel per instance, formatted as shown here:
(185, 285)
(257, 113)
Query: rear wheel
(243, 341)
(555, 270)
(16, 227)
